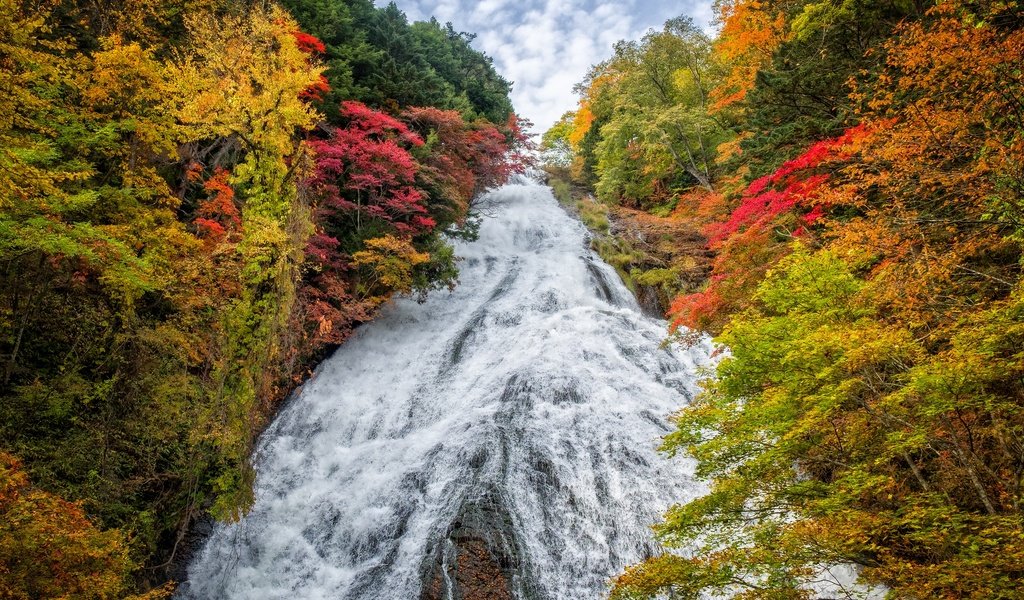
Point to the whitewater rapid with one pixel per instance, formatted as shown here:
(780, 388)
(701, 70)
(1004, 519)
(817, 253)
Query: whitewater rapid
(537, 384)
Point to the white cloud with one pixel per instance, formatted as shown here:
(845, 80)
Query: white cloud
(546, 46)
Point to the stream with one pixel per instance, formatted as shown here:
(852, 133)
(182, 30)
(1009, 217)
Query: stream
(500, 435)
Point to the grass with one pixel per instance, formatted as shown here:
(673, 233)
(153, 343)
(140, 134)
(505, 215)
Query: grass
(593, 215)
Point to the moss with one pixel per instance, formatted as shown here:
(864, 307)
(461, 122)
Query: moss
(655, 256)
(667, 278)
(594, 215)
(562, 191)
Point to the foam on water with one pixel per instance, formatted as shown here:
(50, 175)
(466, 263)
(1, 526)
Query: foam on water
(537, 380)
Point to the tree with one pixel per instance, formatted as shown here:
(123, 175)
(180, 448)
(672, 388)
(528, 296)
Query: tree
(555, 145)
(386, 267)
(751, 32)
(869, 410)
(643, 126)
(365, 175)
(49, 549)
(803, 95)
(772, 211)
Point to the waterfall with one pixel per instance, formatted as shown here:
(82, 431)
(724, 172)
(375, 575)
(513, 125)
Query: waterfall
(517, 416)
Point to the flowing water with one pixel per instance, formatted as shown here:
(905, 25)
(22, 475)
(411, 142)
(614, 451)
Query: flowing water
(536, 388)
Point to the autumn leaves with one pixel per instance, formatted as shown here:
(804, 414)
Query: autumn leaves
(198, 200)
(866, 283)
(384, 188)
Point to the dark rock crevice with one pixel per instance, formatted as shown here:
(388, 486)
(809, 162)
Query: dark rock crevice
(478, 557)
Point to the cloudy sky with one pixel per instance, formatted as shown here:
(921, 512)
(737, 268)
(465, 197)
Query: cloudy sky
(546, 46)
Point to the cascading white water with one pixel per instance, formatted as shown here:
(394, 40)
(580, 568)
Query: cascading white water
(537, 383)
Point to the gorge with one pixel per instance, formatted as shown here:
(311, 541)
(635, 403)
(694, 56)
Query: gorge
(495, 442)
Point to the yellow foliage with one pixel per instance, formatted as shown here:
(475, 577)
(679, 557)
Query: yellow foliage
(242, 79)
(387, 266)
(581, 124)
(28, 65)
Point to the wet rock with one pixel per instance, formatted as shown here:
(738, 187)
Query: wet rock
(478, 558)
(190, 545)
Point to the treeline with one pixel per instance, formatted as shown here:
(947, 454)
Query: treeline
(198, 200)
(856, 167)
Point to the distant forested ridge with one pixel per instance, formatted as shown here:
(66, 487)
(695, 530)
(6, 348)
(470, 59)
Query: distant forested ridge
(199, 199)
(855, 167)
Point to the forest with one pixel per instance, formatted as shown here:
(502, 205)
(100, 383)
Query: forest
(855, 171)
(200, 199)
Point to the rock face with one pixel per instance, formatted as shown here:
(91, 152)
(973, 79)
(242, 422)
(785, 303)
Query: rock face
(478, 558)
(666, 256)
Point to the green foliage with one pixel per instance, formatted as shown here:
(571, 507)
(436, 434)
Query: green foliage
(555, 145)
(644, 127)
(869, 410)
(439, 272)
(593, 215)
(658, 277)
(349, 58)
(376, 56)
(803, 95)
(816, 380)
(155, 231)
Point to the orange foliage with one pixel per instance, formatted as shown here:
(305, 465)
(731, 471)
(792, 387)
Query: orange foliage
(584, 117)
(935, 183)
(581, 123)
(218, 216)
(49, 549)
(700, 206)
(751, 31)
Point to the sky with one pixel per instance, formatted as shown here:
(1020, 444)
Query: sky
(546, 46)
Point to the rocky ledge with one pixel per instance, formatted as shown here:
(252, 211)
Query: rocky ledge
(479, 557)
